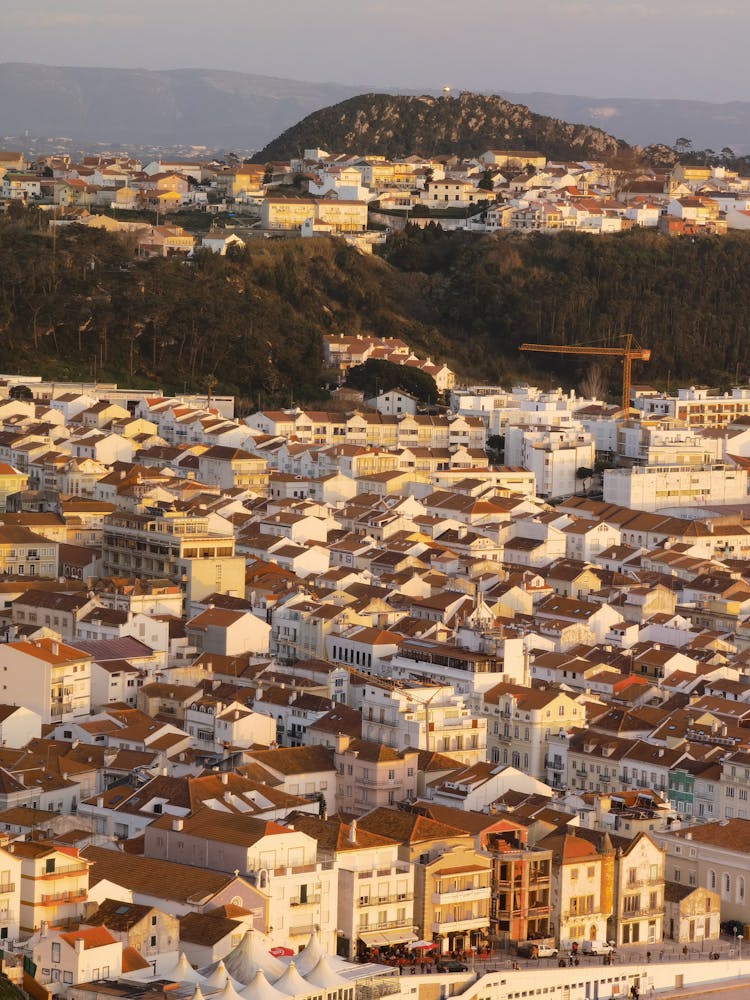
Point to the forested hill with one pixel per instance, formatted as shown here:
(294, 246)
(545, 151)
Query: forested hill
(256, 319)
(467, 125)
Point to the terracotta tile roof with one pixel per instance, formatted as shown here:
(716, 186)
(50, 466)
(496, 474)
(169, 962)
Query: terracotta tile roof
(179, 883)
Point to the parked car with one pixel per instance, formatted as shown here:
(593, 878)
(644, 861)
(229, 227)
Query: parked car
(535, 949)
(451, 966)
(597, 948)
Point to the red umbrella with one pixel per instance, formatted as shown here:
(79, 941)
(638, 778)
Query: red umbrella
(422, 945)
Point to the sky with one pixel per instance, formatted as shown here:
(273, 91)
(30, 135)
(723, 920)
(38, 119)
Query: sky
(609, 48)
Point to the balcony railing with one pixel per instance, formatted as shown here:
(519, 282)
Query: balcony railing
(385, 925)
(310, 901)
(461, 895)
(65, 897)
(61, 870)
(380, 900)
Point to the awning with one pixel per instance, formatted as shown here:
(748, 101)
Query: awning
(381, 939)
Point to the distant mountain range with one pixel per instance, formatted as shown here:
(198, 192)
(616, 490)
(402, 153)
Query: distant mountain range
(221, 109)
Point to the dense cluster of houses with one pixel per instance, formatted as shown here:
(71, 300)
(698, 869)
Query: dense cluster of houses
(357, 196)
(287, 697)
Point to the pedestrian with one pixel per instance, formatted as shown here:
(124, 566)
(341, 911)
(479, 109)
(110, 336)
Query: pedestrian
(422, 964)
(648, 956)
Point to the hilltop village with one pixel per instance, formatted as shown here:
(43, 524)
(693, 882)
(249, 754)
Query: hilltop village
(362, 197)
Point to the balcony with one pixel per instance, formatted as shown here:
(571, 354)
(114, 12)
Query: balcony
(60, 898)
(450, 926)
(407, 897)
(461, 895)
(554, 765)
(7, 887)
(386, 925)
(64, 870)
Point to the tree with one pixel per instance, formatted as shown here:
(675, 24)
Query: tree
(21, 392)
(376, 376)
(485, 183)
(594, 383)
(683, 145)
(496, 445)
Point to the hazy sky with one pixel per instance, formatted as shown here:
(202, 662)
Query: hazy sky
(608, 48)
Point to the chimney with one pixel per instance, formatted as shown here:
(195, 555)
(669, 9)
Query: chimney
(225, 777)
(177, 824)
(100, 802)
(353, 832)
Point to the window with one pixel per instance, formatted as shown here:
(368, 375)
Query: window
(712, 880)
(55, 951)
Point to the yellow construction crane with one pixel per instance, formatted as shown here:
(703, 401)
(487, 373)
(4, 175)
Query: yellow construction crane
(631, 351)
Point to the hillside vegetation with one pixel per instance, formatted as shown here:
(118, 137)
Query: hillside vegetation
(467, 125)
(81, 305)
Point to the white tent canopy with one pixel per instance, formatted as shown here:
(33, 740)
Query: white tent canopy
(293, 984)
(310, 955)
(182, 972)
(244, 961)
(261, 989)
(324, 976)
(229, 992)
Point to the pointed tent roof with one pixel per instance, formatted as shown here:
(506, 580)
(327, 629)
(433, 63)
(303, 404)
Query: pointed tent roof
(261, 989)
(183, 972)
(229, 992)
(324, 976)
(292, 983)
(218, 977)
(310, 955)
(251, 954)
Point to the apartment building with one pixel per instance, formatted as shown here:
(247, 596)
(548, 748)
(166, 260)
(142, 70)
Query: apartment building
(425, 717)
(638, 911)
(49, 677)
(54, 884)
(184, 549)
(280, 862)
(656, 487)
(370, 775)
(25, 553)
(582, 887)
(521, 719)
(376, 888)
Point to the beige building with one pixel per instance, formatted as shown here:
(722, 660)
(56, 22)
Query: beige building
(714, 856)
(48, 677)
(582, 888)
(376, 888)
(343, 216)
(173, 545)
(452, 880)
(54, 884)
(638, 915)
(691, 914)
(370, 775)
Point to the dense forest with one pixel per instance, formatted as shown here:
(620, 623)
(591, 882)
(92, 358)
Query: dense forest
(79, 304)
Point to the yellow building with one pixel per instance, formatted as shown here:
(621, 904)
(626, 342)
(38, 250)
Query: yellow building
(11, 481)
(582, 888)
(343, 216)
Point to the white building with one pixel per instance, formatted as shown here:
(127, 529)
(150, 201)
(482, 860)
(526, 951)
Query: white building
(665, 486)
